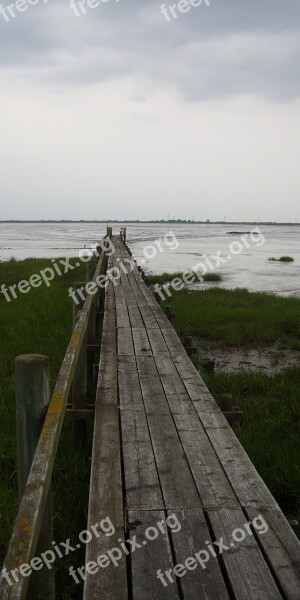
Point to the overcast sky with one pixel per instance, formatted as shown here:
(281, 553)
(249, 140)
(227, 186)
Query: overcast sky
(124, 113)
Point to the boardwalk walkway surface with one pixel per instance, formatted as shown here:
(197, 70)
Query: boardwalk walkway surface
(162, 447)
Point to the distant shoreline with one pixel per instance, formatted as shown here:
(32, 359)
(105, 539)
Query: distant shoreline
(160, 221)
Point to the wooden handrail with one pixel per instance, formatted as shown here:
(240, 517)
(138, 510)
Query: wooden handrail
(26, 531)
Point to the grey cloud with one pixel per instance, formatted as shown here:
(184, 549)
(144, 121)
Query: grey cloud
(231, 48)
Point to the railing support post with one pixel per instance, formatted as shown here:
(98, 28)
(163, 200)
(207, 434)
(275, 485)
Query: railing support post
(123, 235)
(91, 267)
(91, 334)
(32, 400)
(232, 413)
(79, 387)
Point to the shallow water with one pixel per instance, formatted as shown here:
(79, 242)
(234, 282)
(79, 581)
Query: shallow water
(269, 360)
(196, 244)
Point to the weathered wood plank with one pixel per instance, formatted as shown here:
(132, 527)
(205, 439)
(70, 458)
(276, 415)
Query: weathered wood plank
(161, 317)
(146, 312)
(152, 390)
(212, 483)
(125, 342)
(154, 555)
(157, 342)
(148, 317)
(193, 537)
(284, 557)
(248, 485)
(141, 479)
(178, 487)
(179, 399)
(210, 478)
(178, 452)
(106, 580)
(175, 347)
(122, 316)
(141, 342)
(119, 295)
(109, 295)
(281, 545)
(106, 497)
(136, 320)
(146, 295)
(106, 490)
(247, 571)
(177, 396)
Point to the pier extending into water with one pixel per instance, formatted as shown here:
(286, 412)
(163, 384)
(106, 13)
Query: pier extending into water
(192, 518)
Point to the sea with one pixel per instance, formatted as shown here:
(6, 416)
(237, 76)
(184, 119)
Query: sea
(240, 253)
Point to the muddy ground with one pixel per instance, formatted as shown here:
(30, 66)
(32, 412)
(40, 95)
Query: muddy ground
(269, 360)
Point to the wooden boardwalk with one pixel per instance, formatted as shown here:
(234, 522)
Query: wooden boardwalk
(162, 447)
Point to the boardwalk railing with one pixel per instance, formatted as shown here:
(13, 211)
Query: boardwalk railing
(39, 432)
(162, 449)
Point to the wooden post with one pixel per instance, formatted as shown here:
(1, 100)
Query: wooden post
(100, 296)
(295, 526)
(226, 402)
(79, 387)
(91, 334)
(91, 339)
(91, 267)
(32, 400)
(92, 345)
(232, 413)
(208, 365)
(188, 346)
(123, 235)
(95, 378)
(169, 314)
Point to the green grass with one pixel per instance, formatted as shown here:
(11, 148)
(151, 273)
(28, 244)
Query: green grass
(282, 259)
(237, 318)
(40, 322)
(165, 277)
(270, 432)
(212, 277)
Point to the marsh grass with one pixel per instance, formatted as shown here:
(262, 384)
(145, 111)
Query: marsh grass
(282, 259)
(41, 322)
(237, 317)
(212, 277)
(165, 277)
(270, 432)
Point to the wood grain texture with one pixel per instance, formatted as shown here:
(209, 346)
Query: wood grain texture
(154, 555)
(198, 582)
(106, 489)
(163, 446)
(141, 478)
(247, 571)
